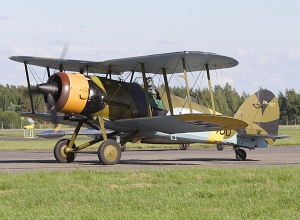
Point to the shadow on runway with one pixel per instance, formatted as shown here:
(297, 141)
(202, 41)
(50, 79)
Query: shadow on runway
(180, 161)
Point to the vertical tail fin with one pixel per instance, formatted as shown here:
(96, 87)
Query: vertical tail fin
(261, 112)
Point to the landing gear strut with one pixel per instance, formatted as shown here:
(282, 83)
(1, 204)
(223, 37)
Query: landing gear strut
(240, 154)
(109, 152)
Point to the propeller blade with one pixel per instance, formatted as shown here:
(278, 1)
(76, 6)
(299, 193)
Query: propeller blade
(64, 51)
(58, 127)
(52, 108)
(62, 56)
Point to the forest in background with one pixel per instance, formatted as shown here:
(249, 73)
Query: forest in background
(15, 99)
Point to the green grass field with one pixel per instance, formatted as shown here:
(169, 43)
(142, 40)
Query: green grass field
(204, 193)
(194, 193)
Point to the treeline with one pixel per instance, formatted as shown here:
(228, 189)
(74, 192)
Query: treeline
(226, 100)
(15, 99)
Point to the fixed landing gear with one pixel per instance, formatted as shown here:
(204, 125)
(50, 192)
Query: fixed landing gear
(123, 147)
(109, 152)
(220, 147)
(184, 146)
(118, 140)
(61, 153)
(240, 154)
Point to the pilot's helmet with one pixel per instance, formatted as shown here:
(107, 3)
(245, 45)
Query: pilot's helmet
(152, 93)
(149, 81)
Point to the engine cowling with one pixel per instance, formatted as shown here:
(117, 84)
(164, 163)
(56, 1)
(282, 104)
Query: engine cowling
(75, 93)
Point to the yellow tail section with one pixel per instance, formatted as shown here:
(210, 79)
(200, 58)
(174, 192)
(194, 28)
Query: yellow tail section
(261, 112)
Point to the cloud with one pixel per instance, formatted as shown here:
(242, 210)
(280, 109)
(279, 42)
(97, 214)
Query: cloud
(4, 17)
(82, 26)
(294, 54)
(241, 52)
(162, 42)
(242, 82)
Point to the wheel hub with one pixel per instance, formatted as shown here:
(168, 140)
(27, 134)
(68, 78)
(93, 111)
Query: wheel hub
(64, 151)
(110, 152)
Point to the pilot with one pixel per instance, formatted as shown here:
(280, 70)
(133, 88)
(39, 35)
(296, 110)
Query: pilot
(153, 93)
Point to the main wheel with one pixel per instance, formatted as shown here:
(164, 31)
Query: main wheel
(220, 147)
(109, 152)
(184, 146)
(240, 154)
(60, 154)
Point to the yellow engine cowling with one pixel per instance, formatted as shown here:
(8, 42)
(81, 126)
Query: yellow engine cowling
(77, 94)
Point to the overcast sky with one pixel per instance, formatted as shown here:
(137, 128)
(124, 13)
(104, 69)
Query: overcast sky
(264, 36)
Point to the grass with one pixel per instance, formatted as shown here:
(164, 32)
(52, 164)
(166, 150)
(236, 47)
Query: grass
(293, 131)
(194, 193)
(204, 193)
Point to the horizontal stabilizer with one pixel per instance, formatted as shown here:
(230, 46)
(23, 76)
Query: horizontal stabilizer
(264, 136)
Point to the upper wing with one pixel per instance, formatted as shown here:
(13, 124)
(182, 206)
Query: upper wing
(153, 63)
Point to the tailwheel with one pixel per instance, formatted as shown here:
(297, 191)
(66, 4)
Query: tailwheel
(184, 146)
(61, 154)
(109, 152)
(220, 147)
(240, 154)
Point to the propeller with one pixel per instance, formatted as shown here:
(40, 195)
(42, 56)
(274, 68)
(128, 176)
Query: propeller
(52, 108)
(50, 90)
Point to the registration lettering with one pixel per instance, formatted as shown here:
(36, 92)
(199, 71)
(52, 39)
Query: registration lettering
(272, 104)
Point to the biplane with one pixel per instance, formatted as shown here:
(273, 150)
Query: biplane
(84, 94)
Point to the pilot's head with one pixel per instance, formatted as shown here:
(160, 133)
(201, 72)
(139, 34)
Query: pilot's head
(149, 81)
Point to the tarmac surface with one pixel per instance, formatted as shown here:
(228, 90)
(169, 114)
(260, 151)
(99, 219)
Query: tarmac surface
(134, 160)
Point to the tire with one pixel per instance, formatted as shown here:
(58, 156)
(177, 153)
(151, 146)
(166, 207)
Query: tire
(109, 152)
(220, 147)
(60, 154)
(240, 155)
(184, 146)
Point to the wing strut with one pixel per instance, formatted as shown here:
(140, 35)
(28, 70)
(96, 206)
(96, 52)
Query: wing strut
(187, 86)
(28, 83)
(108, 73)
(210, 89)
(48, 71)
(146, 89)
(167, 90)
(131, 78)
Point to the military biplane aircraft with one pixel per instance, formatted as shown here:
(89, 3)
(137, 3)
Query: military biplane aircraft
(138, 113)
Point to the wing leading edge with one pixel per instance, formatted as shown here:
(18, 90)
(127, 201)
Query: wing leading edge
(165, 124)
(153, 63)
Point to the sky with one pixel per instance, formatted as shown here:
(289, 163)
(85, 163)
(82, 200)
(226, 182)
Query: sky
(262, 35)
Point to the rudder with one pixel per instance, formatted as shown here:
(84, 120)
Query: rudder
(261, 112)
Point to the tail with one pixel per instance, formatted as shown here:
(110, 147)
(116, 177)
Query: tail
(261, 112)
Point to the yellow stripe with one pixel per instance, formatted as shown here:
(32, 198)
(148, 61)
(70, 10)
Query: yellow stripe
(98, 82)
(214, 137)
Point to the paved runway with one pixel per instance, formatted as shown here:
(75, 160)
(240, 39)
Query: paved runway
(27, 161)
